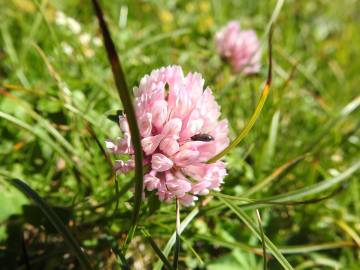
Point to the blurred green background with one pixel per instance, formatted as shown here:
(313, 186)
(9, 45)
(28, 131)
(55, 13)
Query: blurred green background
(56, 91)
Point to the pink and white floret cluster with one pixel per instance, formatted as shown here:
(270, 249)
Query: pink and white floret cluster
(180, 131)
(240, 48)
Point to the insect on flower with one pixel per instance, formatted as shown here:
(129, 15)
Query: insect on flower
(202, 137)
(180, 131)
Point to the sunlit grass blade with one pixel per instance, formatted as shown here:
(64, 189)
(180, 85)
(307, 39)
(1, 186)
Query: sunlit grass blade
(155, 39)
(269, 148)
(157, 250)
(258, 109)
(262, 238)
(350, 231)
(317, 188)
(172, 239)
(316, 142)
(125, 97)
(291, 197)
(295, 249)
(250, 224)
(274, 175)
(274, 16)
(251, 203)
(55, 221)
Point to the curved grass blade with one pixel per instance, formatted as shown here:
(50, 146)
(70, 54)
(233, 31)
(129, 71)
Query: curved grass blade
(250, 224)
(158, 251)
(55, 221)
(172, 239)
(350, 231)
(262, 238)
(258, 109)
(125, 97)
(99, 144)
(295, 249)
(250, 203)
(317, 188)
(274, 175)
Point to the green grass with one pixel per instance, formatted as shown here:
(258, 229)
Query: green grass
(305, 144)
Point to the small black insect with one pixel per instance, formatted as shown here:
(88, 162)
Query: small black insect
(115, 117)
(202, 137)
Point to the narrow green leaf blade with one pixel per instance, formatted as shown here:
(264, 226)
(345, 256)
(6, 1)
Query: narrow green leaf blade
(55, 221)
(172, 239)
(125, 97)
(251, 225)
(157, 250)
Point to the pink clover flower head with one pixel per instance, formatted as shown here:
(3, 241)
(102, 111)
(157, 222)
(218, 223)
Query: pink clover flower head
(180, 131)
(240, 48)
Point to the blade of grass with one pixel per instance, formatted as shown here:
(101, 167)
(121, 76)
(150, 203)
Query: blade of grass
(155, 39)
(177, 232)
(258, 109)
(99, 144)
(296, 249)
(125, 97)
(350, 231)
(14, 59)
(317, 188)
(172, 239)
(231, 245)
(262, 238)
(273, 176)
(37, 133)
(188, 244)
(157, 250)
(349, 108)
(310, 190)
(121, 258)
(252, 203)
(55, 221)
(250, 224)
(274, 16)
(269, 149)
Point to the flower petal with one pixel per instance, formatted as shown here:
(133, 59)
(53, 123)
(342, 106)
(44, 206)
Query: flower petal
(161, 163)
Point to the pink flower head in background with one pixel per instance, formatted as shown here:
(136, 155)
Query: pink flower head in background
(239, 47)
(180, 130)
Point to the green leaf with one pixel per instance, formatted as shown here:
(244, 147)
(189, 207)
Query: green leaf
(157, 250)
(269, 149)
(125, 97)
(55, 221)
(316, 188)
(251, 225)
(172, 239)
